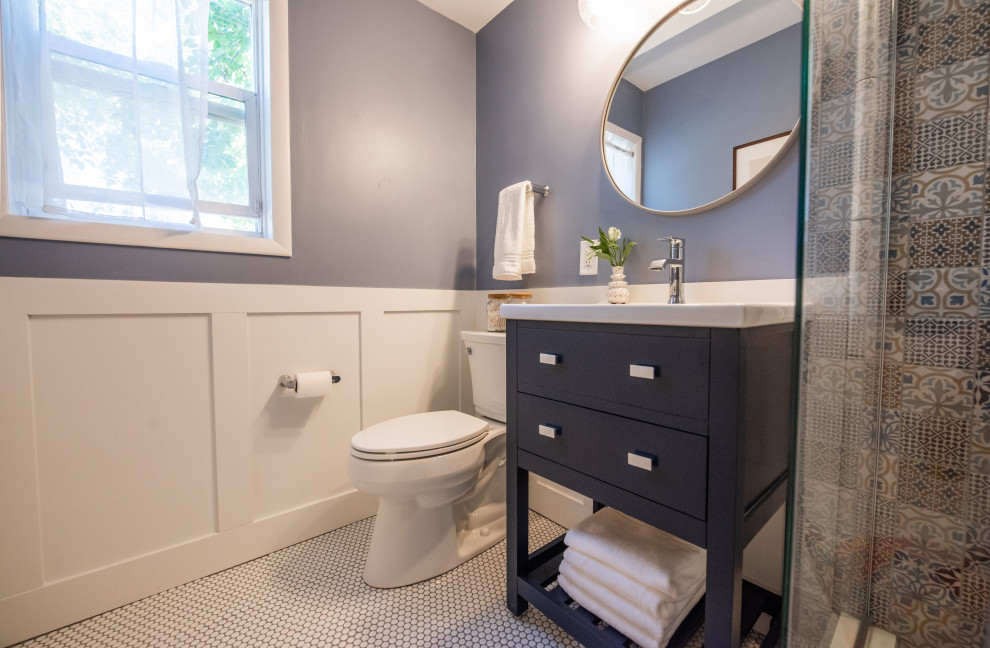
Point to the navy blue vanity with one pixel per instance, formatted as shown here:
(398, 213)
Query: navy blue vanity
(686, 428)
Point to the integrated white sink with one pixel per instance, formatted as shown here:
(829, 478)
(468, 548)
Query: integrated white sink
(716, 315)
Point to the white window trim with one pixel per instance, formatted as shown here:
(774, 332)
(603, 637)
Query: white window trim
(637, 142)
(275, 91)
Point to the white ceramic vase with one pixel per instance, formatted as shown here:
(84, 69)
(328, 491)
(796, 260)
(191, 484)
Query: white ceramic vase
(617, 292)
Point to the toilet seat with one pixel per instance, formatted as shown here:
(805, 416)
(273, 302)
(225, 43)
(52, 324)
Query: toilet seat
(418, 435)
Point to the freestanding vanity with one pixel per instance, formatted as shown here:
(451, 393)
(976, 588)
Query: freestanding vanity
(676, 415)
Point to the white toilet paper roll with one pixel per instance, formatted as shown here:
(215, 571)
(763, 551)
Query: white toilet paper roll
(311, 384)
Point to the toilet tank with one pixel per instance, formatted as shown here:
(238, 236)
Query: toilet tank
(486, 355)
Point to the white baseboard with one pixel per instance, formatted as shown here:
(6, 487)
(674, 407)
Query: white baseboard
(58, 604)
(553, 501)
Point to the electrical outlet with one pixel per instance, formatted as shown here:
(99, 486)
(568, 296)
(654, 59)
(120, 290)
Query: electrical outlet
(589, 266)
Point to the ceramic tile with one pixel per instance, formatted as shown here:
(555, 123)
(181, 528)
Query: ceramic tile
(979, 451)
(977, 545)
(828, 253)
(887, 380)
(929, 439)
(935, 391)
(837, 119)
(902, 157)
(949, 193)
(834, 164)
(896, 293)
(945, 243)
(900, 198)
(907, 53)
(950, 141)
(977, 498)
(936, 342)
(311, 595)
(831, 208)
(982, 395)
(942, 292)
(984, 308)
(838, 74)
(929, 10)
(907, 13)
(951, 89)
(931, 486)
(956, 37)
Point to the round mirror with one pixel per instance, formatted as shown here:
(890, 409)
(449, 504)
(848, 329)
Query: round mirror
(706, 103)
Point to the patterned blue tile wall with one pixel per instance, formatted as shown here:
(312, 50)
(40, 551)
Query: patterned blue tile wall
(893, 508)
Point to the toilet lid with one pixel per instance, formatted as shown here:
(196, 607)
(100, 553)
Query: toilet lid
(418, 432)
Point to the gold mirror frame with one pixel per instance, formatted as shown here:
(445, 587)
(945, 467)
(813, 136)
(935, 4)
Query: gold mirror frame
(795, 133)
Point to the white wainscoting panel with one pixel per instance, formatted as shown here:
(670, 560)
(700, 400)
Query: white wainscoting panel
(301, 445)
(20, 520)
(144, 441)
(231, 420)
(422, 363)
(124, 424)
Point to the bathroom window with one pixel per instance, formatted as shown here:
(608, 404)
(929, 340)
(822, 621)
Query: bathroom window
(624, 155)
(141, 122)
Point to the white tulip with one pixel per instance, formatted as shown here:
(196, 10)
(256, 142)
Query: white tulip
(614, 233)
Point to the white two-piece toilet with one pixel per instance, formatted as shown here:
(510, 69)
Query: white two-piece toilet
(439, 477)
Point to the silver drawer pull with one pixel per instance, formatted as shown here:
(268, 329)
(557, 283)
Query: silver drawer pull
(549, 431)
(549, 358)
(643, 371)
(641, 460)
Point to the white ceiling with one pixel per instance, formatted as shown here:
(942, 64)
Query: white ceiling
(473, 14)
(687, 42)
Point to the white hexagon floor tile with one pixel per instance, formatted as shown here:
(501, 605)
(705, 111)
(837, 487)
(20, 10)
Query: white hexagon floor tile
(311, 595)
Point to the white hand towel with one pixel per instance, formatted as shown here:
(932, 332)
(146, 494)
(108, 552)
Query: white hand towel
(655, 603)
(648, 555)
(627, 619)
(515, 233)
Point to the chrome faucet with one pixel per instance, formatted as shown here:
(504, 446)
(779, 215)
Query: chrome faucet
(675, 262)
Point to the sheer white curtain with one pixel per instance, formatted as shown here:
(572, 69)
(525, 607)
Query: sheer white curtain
(106, 106)
(620, 155)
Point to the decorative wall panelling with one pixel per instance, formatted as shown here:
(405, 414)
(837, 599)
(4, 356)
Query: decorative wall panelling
(145, 442)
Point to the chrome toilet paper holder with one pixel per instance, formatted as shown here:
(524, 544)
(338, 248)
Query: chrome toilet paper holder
(289, 382)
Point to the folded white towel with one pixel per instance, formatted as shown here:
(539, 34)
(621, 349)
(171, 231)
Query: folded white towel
(515, 233)
(644, 553)
(645, 630)
(654, 603)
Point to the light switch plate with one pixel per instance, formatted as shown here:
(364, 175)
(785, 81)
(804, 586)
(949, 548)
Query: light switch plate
(588, 266)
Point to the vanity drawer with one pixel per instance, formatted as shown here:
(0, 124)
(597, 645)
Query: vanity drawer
(663, 465)
(659, 373)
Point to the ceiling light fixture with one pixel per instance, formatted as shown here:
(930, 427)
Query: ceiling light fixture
(598, 14)
(694, 7)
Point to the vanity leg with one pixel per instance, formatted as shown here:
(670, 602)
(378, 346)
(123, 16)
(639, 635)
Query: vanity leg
(723, 594)
(516, 533)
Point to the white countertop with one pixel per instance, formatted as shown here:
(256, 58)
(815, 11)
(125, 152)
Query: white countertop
(714, 315)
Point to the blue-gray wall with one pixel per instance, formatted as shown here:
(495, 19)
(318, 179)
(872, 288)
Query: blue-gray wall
(626, 110)
(543, 77)
(383, 155)
(692, 122)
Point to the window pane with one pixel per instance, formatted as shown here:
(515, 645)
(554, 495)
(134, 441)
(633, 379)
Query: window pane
(155, 33)
(162, 145)
(104, 24)
(94, 125)
(104, 210)
(232, 223)
(231, 48)
(224, 177)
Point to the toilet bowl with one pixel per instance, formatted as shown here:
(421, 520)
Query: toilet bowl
(439, 477)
